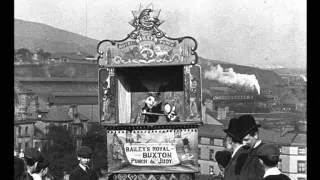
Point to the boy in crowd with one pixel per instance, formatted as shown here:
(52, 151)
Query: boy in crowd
(269, 157)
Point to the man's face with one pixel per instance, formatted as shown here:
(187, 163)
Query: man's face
(84, 160)
(249, 140)
(227, 142)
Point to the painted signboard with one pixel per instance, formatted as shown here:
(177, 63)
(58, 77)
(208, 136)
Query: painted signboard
(147, 45)
(151, 154)
(159, 148)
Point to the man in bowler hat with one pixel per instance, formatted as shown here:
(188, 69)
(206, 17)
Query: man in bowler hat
(83, 170)
(268, 156)
(252, 168)
(239, 154)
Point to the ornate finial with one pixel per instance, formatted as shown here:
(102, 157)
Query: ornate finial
(146, 19)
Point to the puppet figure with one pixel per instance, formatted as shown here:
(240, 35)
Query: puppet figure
(152, 109)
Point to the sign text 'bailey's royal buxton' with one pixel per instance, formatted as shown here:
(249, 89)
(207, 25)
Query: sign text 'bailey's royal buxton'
(151, 154)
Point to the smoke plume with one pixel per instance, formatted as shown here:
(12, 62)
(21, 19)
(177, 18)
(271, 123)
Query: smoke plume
(230, 77)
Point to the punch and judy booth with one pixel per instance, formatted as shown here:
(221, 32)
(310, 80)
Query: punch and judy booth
(150, 102)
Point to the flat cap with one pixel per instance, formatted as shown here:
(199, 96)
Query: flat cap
(84, 151)
(32, 153)
(268, 150)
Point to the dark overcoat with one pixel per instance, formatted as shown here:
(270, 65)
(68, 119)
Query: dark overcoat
(232, 170)
(252, 168)
(79, 174)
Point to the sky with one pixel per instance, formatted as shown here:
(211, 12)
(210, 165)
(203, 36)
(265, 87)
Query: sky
(264, 33)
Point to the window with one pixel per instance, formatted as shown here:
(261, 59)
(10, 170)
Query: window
(19, 131)
(26, 131)
(218, 142)
(19, 146)
(211, 170)
(26, 145)
(199, 153)
(212, 141)
(280, 164)
(211, 153)
(301, 167)
(301, 150)
(280, 149)
(36, 145)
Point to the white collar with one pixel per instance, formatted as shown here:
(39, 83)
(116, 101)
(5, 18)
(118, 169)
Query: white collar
(83, 167)
(272, 171)
(36, 176)
(236, 149)
(257, 143)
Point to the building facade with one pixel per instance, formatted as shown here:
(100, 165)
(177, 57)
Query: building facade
(292, 146)
(38, 106)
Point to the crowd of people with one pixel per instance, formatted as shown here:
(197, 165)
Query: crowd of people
(245, 157)
(33, 166)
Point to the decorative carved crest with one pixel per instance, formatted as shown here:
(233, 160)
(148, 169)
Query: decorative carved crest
(146, 20)
(147, 44)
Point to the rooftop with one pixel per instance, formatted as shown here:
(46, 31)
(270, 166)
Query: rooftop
(270, 136)
(210, 130)
(60, 114)
(70, 55)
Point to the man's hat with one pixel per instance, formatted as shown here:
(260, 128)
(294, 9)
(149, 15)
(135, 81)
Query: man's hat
(233, 129)
(84, 151)
(248, 123)
(268, 150)
(32, 153)
(240, 127)
(223, 157)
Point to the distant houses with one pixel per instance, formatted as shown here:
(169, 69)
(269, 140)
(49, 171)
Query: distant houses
(42, 103)
(35, 57)
(292, 145)
(75, 57)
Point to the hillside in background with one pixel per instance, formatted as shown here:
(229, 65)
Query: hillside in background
(34, 36)
(284, 71)
(266, 78)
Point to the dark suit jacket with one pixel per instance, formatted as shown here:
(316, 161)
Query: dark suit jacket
(25, 176)
(18, 167)
(277, 177)
(79, 174)
(232, 170)
(252, 168)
